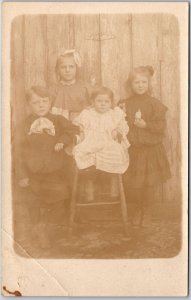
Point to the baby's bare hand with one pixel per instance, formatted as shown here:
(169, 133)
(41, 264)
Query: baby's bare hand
(58, 147)
(140, 123)
(24, 182)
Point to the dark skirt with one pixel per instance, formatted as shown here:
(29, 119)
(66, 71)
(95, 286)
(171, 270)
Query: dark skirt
(148, 166)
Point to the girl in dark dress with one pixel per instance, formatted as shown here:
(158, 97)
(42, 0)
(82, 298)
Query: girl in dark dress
(148, 164)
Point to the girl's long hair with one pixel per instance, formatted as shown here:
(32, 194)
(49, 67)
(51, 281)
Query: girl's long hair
(147, 71)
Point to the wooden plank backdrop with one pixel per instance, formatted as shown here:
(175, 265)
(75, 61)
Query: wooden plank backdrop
(110, 45)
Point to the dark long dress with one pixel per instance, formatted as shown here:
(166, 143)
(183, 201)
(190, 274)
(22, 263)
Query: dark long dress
(148, 163)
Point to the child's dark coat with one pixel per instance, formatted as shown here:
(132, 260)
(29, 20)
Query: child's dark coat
(35, 157)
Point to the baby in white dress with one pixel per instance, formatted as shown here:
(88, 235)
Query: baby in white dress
(104, 129)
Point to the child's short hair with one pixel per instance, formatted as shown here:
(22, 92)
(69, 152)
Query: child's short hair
(39, 91)
(147, 71)
(102, 91)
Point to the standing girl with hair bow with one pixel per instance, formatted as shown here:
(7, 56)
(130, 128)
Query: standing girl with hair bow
(148, 164)
(70, 95)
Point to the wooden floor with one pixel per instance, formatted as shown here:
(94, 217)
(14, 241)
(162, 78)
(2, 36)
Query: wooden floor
(99, 234)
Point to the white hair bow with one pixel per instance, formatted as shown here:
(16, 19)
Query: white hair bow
(76, 55)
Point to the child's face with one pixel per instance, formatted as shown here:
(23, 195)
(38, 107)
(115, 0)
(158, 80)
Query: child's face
(39, 106)
(102, 103)
(67, 68)
(140, 84)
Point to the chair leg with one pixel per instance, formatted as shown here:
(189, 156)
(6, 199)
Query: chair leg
(123, 203)
(73, 201)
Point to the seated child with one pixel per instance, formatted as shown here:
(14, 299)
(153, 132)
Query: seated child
(100, 126)
(40, 162)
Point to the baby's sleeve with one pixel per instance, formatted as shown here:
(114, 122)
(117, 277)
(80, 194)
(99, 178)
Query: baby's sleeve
(122, 126)
(82, 119)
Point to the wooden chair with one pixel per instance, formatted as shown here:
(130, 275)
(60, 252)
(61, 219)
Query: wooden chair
(75, 204)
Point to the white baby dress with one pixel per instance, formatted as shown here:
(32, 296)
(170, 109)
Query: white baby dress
(98, 147)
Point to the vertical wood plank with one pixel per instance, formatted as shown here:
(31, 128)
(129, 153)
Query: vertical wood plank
(171, 97)
(125, 51)
(116, 56)
(58, 39)
(145, 39)
(71, 32)
(17, 71)
(87, 42)
(35, 43)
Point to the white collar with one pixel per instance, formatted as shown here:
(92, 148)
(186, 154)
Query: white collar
(67, 83)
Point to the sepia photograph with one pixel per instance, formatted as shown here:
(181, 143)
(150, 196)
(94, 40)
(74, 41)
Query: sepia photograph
(95, 135)
(95, 126)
